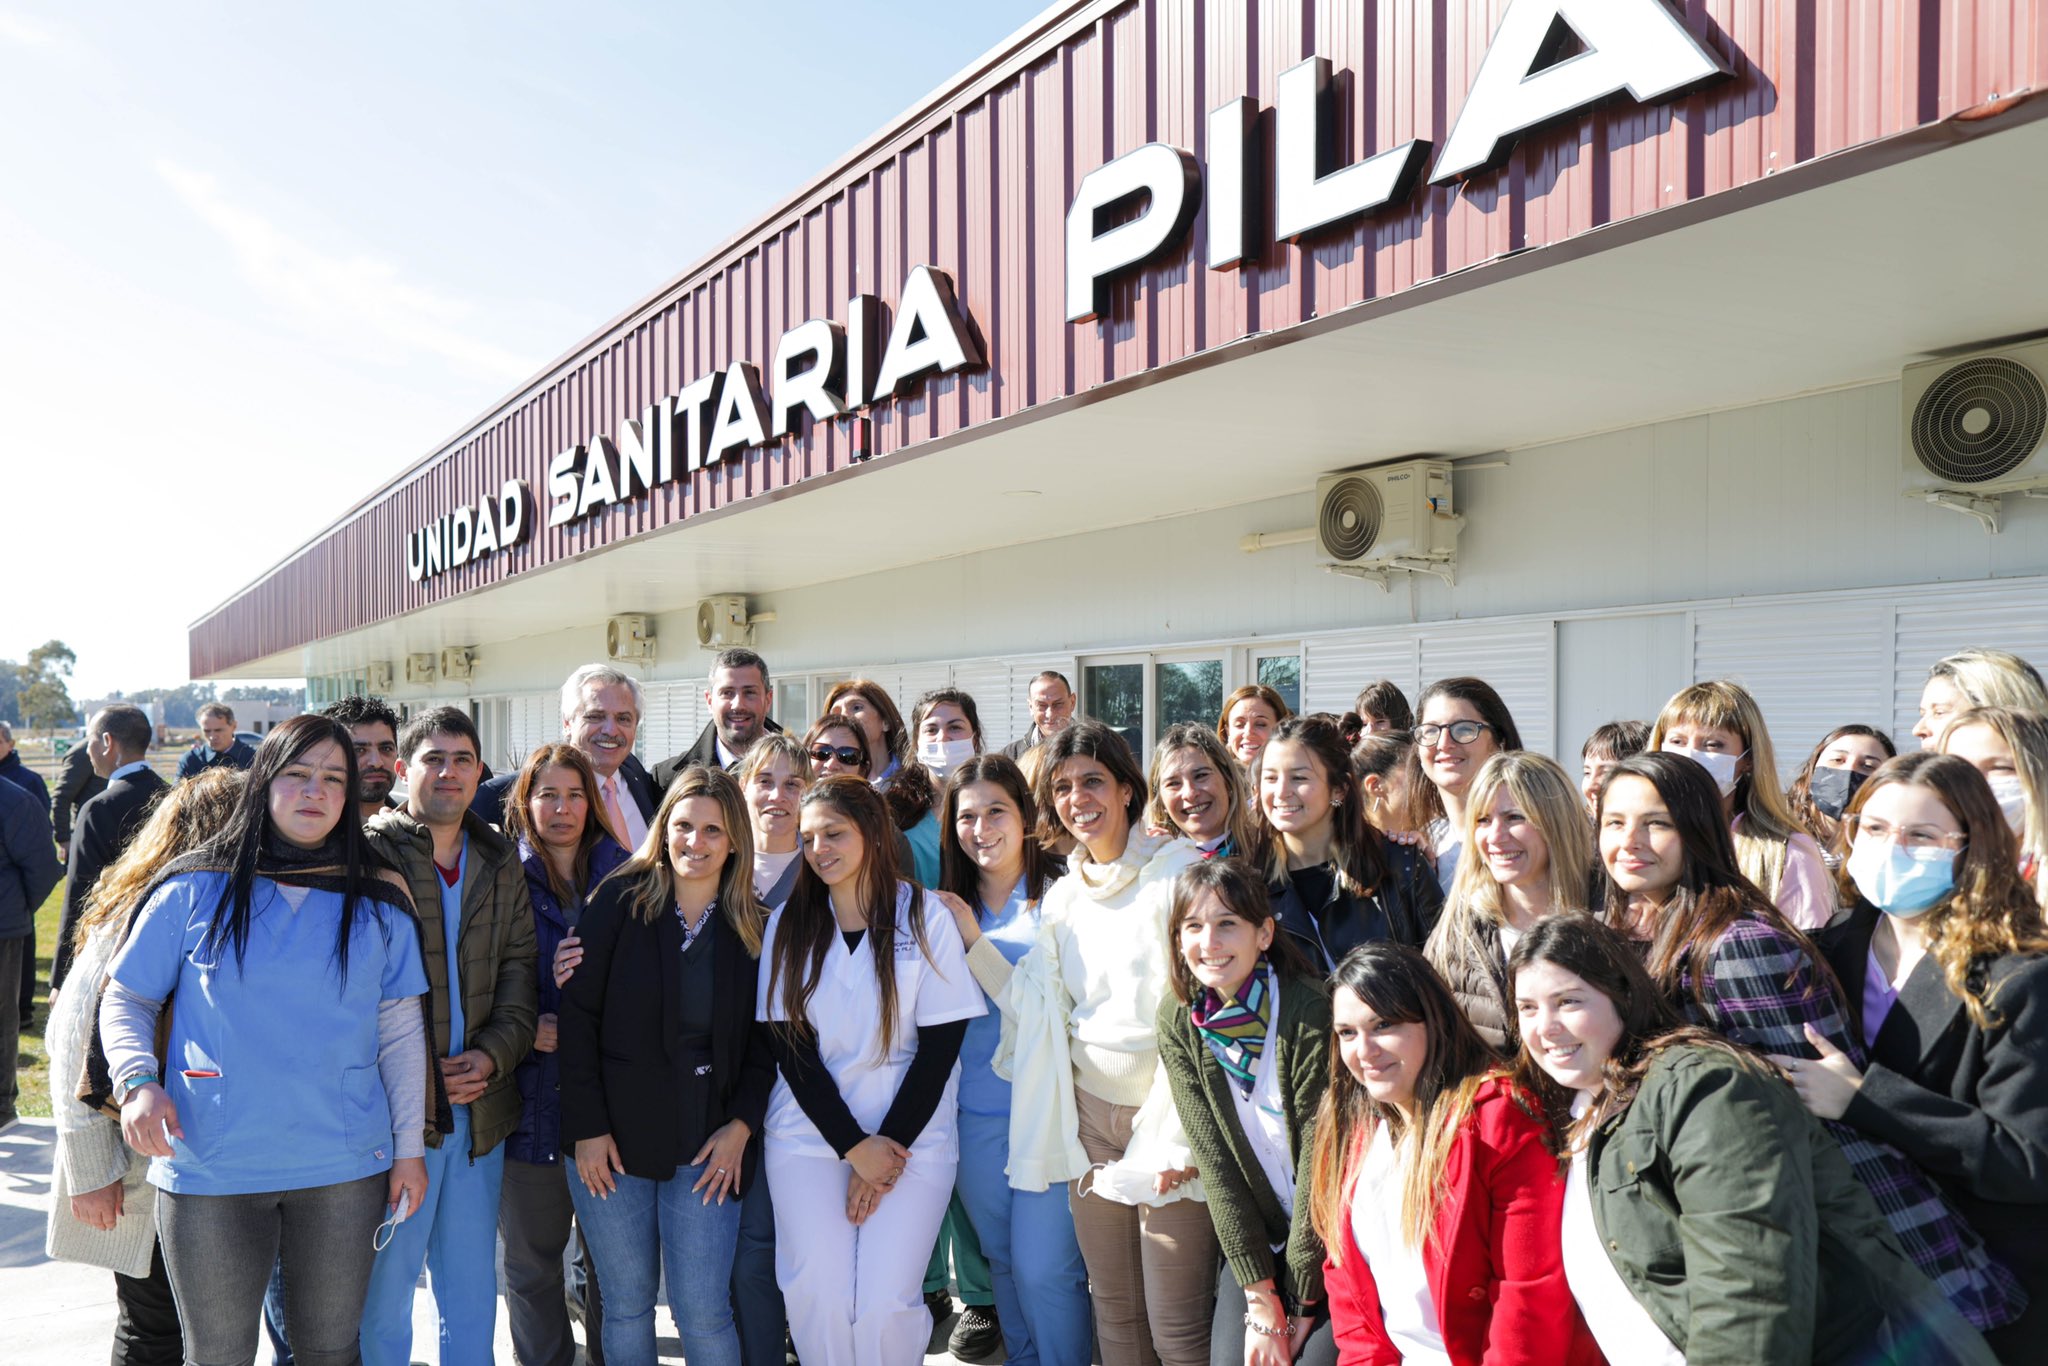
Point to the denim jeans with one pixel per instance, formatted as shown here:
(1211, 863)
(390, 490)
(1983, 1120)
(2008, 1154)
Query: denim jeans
(645, 1229)
(219, 1251)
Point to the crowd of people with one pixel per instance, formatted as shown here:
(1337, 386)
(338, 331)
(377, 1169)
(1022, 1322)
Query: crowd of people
(1370, 1038)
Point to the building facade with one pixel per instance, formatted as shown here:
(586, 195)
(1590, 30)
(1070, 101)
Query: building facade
(1051, 373)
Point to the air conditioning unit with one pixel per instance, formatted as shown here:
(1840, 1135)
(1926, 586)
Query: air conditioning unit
(1974, 423)
(377, 677)
(630, 638)
(1388, 513)
(722, 621)
(458, 662)
(419, 668)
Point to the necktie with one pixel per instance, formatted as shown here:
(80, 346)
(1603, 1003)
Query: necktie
(614, 815)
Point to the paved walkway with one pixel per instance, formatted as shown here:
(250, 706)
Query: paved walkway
(62, 1314)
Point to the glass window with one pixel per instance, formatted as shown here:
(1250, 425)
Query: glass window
(1282, 673)
(792, 704)
(1189, 690)
(1114, 694)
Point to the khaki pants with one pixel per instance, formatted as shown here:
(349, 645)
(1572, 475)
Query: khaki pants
(1152, 1271)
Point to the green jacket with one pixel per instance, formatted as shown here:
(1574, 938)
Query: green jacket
(500, 980)
(1242, 1203)
(1735, 1220)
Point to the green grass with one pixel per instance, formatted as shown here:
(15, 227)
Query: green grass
(34, 1067)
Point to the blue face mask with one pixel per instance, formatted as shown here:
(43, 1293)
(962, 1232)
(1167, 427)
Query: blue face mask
(1901, 882)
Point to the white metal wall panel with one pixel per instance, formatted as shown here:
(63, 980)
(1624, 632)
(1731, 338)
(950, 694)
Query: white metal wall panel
(531, 720)
(1520, 662)
(1335, 668)
(1024, 668)
(675, 716)
(1931, 626)
(987, 681)
(1810, 665)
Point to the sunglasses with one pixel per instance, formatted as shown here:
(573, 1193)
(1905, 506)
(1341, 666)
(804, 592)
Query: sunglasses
(845, 754)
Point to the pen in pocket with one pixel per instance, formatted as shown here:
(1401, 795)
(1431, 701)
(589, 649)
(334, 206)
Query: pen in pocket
(197, 1073)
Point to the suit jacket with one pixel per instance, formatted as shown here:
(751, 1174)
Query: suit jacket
(1970, 1105)
(705, 751)
(489, 802)
(28, 860)
(1015, 749)
(77, 786)
(621, 1035)
(105, 825)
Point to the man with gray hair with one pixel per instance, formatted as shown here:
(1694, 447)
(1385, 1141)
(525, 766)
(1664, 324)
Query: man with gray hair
(217, 744)
(740, 696)
(601, 710)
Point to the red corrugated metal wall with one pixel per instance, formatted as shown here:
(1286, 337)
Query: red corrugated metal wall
(979, 186)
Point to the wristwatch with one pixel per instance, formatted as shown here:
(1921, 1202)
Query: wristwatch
(128, 1086)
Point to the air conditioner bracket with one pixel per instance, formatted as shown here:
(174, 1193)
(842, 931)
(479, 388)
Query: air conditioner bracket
(1381, 572)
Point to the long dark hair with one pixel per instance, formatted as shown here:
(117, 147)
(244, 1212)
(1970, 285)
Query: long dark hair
(807, 928)
(1429, 803)
(249, 838)
(519, 822)
(957, 872)
(1398, 985)
(1604, 961)
(1358, 852)
(1711, 894)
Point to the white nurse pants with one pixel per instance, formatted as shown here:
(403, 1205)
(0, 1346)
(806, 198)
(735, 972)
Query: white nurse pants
(855, 1295)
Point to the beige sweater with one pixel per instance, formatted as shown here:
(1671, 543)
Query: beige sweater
(90, 1151)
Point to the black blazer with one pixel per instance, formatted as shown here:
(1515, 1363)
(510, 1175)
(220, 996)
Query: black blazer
(705, 752)
(489, 802)
(621, 1028)
(1970, 1105)
(105, 825)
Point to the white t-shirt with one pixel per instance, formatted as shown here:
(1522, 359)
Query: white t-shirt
(1616, 1318)
(1263, 1116)
(1398, 1273)
(845, 1011)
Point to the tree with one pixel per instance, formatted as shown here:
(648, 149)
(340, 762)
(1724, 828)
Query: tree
(44, 698)
(10, 690)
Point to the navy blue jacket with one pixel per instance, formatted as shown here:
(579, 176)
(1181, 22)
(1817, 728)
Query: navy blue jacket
(28, 861)
(539, 1135)
(13, 770)
(202, 756)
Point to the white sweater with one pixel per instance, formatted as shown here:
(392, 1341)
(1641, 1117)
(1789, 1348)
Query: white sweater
(90, 1152)
(1089, 989)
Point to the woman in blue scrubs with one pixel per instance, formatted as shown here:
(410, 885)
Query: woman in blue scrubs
(288, 1117)
(993, 872)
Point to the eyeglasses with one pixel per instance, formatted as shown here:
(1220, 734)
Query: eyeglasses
(1461, 732)
(845, 754)
(1908, 837)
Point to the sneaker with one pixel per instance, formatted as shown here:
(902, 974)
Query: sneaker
(940, 1303)
(977, 1337)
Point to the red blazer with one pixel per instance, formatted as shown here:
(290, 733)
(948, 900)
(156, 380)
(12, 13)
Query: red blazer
(1495, 1269)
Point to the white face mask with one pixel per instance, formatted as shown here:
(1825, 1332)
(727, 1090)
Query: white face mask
(1719, 764)
(943, 756)
(2012, 798)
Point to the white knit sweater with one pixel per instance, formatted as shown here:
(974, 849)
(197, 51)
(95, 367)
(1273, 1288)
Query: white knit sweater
(1090, 989)
(90, 1151)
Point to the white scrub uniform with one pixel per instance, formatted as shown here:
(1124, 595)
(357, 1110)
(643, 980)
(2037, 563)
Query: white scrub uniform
(856, 1295)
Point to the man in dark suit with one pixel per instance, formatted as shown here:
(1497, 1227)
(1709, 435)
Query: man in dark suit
(601, 710)
(739, 696)
(1052, 711)
(77, 784)
(118, 741)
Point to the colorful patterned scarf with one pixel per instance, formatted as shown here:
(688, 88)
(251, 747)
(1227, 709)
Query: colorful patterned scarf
(1234, 1029)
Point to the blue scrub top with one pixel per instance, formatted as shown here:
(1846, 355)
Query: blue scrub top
(298, 1101)
(924, 848)
(1013, 930)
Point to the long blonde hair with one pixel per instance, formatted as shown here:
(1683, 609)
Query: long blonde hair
(1993, 678)
(183, 819)
(654, 892)
(1548, 797)
(1767, 819)
(2026, 734)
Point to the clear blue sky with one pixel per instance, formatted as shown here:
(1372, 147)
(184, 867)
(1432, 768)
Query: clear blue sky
(256, 258)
